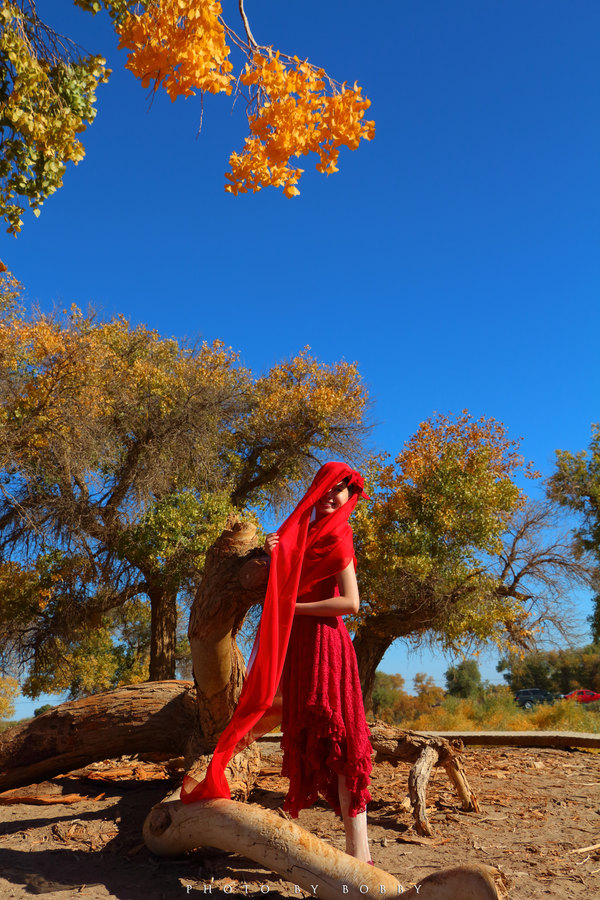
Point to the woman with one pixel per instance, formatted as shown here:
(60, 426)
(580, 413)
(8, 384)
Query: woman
(304, 646)
(325, 736)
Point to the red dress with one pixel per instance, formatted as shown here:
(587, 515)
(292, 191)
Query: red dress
(323, 723)
(304, 557)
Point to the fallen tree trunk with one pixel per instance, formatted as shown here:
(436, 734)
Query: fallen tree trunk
(173, 828)
(151, 717)
(148, 718)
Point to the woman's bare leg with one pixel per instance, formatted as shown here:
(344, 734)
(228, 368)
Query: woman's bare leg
(357, 842)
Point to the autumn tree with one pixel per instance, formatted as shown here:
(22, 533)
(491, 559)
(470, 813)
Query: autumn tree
(185, 47)
(427, 692)
(387, 691)
(394, 705)
(449, 550)
(9, 688)
(122, 454)
(47, 96)
(575, 485)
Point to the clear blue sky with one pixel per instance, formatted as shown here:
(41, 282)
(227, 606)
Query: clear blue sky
(455, 257)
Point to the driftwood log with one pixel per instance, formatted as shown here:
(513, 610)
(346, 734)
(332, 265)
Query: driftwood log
(300, 857)
(423, 752)
(153, 717)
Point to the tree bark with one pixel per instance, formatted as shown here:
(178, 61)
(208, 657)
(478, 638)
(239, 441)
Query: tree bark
(424, 751)
(418, 780)
(225, 595)
(303, 859)
(217, 613)
(163, 604)
(369, 649)
(378, 633)
(151, 717)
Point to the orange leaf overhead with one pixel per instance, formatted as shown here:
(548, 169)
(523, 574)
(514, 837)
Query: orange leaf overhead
(179, 44)
(294, 107)
(295, 116)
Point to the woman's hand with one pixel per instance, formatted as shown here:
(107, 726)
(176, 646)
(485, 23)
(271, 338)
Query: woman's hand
(271, 542)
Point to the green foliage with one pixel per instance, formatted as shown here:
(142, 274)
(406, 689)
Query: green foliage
(429, 541)
(386, 693)
(122, 454)
(91, 660)
(464, 679)
(54, 612)
(576, 485)
(561, 671)
(40, 710)
(450, 550)
(174, 533)
(46, 99)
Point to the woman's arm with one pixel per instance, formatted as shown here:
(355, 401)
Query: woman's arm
(346, 603)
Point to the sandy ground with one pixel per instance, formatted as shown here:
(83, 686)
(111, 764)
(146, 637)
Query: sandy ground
(539, 809)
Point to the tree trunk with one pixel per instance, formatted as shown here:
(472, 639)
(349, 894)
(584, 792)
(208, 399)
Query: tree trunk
(217, 613)
(151, 717)
(226, 593)
(163, 604)
(378, 633)
(369, 649)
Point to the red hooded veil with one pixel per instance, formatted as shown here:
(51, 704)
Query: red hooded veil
(306, 553)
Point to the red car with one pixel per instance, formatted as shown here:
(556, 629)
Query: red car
(582, 695)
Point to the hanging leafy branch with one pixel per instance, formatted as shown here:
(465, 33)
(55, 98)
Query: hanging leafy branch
(48, 92)
(47, 96)
(294, 108)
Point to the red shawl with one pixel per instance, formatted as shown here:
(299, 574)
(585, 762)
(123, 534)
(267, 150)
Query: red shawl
(303, 556)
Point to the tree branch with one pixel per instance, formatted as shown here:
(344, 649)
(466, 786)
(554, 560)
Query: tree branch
(249, 35)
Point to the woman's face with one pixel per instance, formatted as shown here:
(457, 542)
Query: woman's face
(333, 499)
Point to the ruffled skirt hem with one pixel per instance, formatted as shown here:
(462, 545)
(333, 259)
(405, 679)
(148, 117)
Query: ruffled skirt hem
(315, 752)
